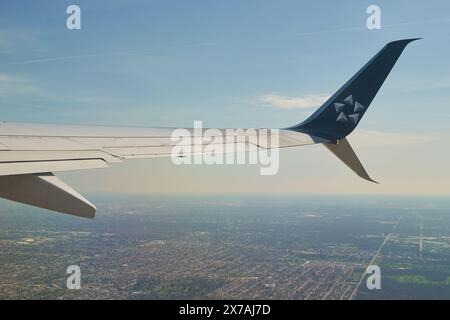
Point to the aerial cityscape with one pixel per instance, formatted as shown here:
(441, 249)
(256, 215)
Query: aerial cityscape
(230, 247)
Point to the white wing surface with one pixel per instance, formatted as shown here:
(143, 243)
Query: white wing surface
(30, 153)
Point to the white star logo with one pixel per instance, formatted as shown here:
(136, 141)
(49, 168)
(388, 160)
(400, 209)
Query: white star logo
(353, 117)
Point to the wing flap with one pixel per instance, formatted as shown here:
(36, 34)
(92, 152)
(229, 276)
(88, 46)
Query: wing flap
(26, 167)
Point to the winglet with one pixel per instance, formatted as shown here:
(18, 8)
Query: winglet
(343, 111)
(343, 150)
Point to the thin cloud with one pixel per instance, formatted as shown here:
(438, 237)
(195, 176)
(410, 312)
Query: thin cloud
(12, 39)
(284, 102)
(6, 40)
(378, 138)
(11, 85)
(364, 28)
(109, 53)
(4, 77)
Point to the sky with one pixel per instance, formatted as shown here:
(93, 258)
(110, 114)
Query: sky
(235, 64)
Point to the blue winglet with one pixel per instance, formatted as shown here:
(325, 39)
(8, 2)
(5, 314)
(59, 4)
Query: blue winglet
(341, 113)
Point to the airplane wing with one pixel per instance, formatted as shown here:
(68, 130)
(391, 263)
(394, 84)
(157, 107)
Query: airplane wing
(36, 148)
(30, 153)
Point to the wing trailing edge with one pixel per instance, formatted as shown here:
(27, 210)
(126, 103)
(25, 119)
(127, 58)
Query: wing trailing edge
(46, 191)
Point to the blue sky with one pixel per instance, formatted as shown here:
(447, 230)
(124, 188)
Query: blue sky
(168, 63)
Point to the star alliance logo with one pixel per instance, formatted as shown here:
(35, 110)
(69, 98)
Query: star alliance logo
(354, 116)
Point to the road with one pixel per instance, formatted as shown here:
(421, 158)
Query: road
(374, 258)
